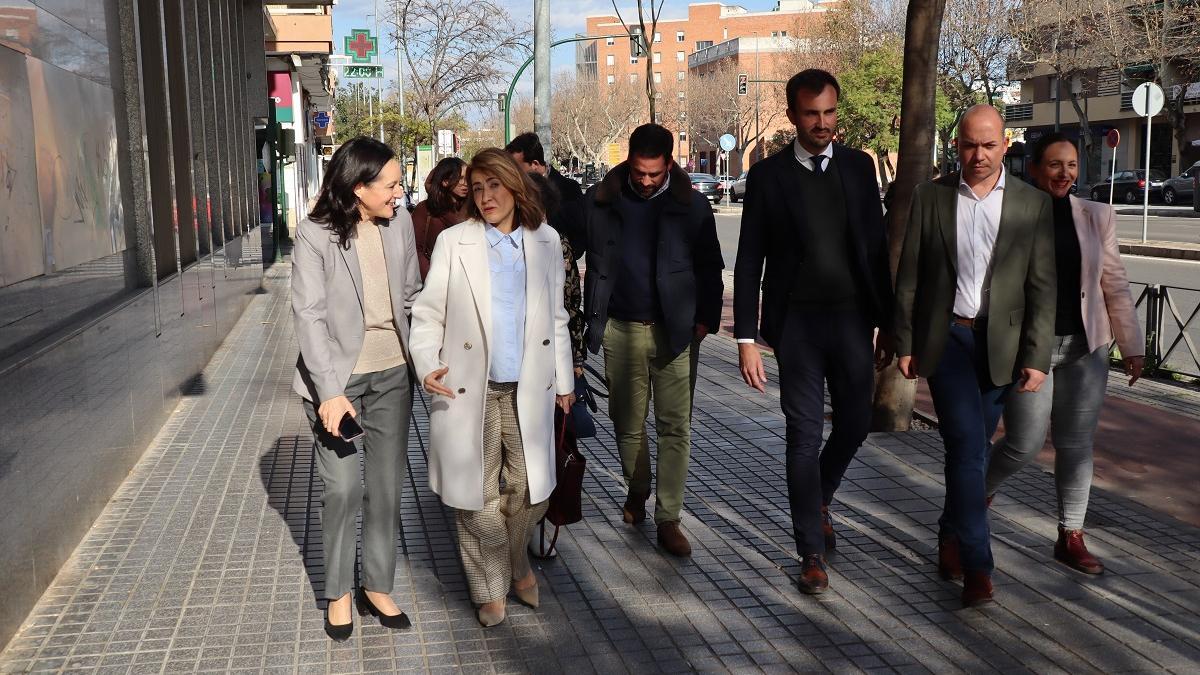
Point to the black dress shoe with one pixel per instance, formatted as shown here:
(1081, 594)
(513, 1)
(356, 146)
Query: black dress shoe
(394, 621)
(338, 632)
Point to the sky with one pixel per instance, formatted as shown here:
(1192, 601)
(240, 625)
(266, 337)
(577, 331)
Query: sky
(567, 18)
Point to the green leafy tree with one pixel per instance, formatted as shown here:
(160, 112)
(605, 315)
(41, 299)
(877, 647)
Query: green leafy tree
(869, 112)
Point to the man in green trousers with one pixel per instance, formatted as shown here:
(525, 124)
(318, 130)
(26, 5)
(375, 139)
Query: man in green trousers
(652, 291)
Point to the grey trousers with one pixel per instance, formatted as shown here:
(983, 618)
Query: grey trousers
(1069, 405)
(383, 401)
(492, 540)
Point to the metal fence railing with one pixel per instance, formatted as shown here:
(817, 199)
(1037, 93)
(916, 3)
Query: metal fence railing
(1170, 316)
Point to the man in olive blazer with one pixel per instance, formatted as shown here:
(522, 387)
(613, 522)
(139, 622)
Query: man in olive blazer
(975, 305)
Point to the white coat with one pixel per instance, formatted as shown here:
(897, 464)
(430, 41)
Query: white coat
(451, 327)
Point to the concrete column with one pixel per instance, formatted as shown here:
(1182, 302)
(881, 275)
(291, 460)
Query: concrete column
(133, 162)
(224, 119)
(246, 122)
(195, 33)
(156, 88)
(179, 86)
(210, 45)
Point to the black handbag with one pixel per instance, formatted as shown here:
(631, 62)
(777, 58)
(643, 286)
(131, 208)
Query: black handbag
(585, 404)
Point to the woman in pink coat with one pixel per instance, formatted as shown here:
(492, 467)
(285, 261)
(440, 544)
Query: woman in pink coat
(1094, 309)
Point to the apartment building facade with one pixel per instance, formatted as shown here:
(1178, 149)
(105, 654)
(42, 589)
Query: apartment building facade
(707, 25)
(1107, 103)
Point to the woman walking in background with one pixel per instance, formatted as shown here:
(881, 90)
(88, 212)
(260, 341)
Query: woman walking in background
(446, 205)
(490, 342)
(354, 278)
(1094, 308)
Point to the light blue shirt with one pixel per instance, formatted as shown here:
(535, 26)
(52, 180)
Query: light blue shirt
(506, 261)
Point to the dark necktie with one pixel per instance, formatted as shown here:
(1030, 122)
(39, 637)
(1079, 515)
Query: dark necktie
(818, 162)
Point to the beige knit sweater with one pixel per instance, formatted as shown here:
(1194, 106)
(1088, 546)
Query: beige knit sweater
(381, 345)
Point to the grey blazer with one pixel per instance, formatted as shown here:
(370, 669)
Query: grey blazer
(1023, 283)
(327, 303)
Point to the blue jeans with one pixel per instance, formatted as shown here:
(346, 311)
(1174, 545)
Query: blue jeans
(968, 407)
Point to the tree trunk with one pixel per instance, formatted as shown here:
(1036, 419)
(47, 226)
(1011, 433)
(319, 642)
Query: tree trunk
(892, 409)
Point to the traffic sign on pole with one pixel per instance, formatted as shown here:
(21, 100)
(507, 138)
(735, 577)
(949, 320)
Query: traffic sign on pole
(1112, 139)
(1148, 101)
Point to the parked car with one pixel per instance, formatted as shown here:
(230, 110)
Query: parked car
(737, 191)
(1178, 190)
(1129, 186)
(708, 185)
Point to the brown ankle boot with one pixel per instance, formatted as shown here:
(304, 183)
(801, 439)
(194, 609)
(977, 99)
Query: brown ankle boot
(1072, 552)
(949, 559)
(672, 539)
(977, 589)
(634, 510)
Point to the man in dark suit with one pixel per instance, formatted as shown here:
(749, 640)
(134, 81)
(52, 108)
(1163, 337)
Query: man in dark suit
(813, 214)
(976, 296)
(652, 292)
(567, 219)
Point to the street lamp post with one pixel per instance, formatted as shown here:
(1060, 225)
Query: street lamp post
(513, 85)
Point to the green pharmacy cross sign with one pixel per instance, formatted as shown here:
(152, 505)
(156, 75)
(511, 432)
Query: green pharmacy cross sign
(362, 72)
(360, 46)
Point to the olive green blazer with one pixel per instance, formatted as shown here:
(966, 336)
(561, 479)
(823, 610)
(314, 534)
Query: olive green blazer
(1020, 327)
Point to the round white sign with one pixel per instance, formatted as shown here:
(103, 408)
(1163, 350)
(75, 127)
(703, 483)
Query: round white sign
(1148, 99)
(728, 142)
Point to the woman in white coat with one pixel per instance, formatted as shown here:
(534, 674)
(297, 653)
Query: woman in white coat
(490, 341)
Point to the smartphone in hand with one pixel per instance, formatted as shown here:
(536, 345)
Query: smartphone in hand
(349, 428)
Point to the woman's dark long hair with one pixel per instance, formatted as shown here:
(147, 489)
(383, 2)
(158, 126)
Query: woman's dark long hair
(442, 179)
(357, 162)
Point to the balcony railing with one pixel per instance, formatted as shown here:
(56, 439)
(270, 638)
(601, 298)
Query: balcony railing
(1018, 112)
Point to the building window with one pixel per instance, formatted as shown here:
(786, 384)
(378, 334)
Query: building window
(612, 79)
(610, 41)
(632, 78)
(633, 60)
(774, 33)
(658, 37)
(724, 33)
(681, 95)
(703, 44)
(680, 76)
(610, 60)
(783, 33)
(679, 36)
(658, 57)
(680, 56)
(683, 136)
(657, 78)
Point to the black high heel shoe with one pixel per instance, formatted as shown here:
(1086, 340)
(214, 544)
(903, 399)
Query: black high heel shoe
(338, 632)
(394, 621)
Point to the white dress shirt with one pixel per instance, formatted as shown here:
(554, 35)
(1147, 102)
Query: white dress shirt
(506, 262)
(978, 222)
(804, 157)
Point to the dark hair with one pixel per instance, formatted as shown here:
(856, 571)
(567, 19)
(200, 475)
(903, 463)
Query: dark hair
(1042, 144)
(813, 81)
(530, 147)
(358, 161)
(651, 140)
(548, 194)
(527, 201)
(442, 179)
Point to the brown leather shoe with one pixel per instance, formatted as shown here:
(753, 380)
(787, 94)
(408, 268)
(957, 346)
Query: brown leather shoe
(813, 579)
(634, 510)
(977, 589)
(671, 538)
(827, 529)
(949, 559)
(1072, 552)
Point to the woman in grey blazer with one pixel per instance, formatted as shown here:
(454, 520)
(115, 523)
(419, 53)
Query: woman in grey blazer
(354, 278)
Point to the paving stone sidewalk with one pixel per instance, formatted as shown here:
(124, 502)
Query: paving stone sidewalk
(208, 559)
